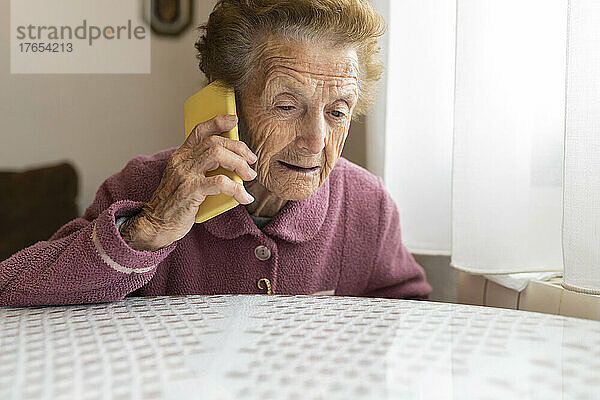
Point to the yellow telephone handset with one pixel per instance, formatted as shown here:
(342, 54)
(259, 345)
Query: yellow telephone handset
(214, 99)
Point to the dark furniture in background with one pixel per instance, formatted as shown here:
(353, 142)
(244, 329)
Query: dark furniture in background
(34, 204)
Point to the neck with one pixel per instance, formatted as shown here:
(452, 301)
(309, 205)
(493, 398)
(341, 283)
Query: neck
(265, 204)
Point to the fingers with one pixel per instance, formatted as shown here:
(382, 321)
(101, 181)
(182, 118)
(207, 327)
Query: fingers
(219, 156)
(206, 135)
(238, 147)
(223, 184)
(216, 125)
(206, 150)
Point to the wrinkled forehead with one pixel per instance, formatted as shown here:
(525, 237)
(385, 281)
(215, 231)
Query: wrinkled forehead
(324, 65)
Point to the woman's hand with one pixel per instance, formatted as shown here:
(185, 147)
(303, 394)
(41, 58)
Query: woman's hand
(171, 211)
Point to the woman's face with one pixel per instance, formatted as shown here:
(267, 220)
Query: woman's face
(296, 114)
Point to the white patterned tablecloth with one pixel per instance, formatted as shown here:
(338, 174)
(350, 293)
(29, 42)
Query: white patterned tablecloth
(294, 347)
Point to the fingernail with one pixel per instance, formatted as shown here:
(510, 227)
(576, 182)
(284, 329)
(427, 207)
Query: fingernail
(254, 174)
(250, 198)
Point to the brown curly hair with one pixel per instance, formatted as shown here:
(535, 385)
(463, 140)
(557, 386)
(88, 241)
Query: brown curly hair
(227, 41)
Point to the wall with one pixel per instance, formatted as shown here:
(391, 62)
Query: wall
(99, 122)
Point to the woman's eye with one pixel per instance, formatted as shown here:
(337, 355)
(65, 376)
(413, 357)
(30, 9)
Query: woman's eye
(286, 108)
(337, 114)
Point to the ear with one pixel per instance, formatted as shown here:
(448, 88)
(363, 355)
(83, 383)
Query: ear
(242, 126)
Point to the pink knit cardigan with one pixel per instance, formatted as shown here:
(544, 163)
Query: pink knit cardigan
(343, 239)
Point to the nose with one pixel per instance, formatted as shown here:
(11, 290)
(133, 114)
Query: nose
(312, 136)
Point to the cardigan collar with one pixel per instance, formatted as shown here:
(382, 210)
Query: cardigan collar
(297, 221)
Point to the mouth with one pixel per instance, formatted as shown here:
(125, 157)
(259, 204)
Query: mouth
(299, 168)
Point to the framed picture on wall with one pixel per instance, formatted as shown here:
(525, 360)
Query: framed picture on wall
(168, 17)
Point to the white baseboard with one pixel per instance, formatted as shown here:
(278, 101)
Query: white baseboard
(546, 297)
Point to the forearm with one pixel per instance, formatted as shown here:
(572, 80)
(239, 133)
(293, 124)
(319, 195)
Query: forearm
(141, 234)
(412, 289)
(91, 264)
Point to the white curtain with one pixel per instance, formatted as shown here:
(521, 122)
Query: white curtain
(418, 140)
(476, 138)
(508, 135)
(582, 150)
(506, 112)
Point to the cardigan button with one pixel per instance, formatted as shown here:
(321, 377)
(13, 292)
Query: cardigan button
(262, 253)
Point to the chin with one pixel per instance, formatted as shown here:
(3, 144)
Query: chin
(292, 190)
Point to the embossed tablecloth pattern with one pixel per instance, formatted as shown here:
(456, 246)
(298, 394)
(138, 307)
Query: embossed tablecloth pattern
(294, 347)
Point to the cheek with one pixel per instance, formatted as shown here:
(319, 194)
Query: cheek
(334, 145)
(333, 148)
(267, 137)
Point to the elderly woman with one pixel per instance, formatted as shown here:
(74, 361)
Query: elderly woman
(309, 221)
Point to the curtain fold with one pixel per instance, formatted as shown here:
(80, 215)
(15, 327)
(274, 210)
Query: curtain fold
(581, 228)
(508, 136)
(418, 140)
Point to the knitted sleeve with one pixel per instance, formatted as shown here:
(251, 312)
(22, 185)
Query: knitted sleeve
(87, 261)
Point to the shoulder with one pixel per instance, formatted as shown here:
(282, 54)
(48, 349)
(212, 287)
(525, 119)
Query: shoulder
(358, 192)
(140, 177)
(147, 166)
(136, 182)
(357, 183)
(149, 162)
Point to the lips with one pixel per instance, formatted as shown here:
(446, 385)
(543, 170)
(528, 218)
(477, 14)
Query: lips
(299, 168)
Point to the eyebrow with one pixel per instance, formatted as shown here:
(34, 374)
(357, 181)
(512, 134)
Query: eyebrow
(348, 96)
(294, 90)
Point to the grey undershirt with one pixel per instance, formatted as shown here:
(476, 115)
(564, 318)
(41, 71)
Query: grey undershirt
(260, 222)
